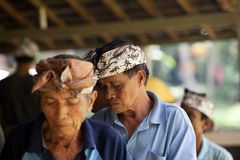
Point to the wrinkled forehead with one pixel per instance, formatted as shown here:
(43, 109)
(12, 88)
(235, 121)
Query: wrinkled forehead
(63, 93)
(120, 77)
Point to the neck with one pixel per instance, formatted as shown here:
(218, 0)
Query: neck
(141, 108)
(22, 69)
(198, 143)
(58, 138)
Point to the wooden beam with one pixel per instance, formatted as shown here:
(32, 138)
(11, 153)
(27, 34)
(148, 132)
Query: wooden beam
(56, 19)
(143, 38)
(21, 19)
(163, 41)
(194, 38)
(115, 7)
(228, 5)
(149, 7)
(210, 32)
(108, 38)
(49, 43)
(129, 27)
(187, 7)
(173, 34)
(15, 14)
(79, 41)
(81, 11)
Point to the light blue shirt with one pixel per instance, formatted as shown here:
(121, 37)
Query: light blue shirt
(212, 151)
(165, 134)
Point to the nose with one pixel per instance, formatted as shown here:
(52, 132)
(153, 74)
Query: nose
(61, 112)
(110, 94)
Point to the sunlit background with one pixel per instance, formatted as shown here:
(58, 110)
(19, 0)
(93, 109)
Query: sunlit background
(207, 66)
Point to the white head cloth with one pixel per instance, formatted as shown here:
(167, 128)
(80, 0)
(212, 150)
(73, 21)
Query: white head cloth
(27, 48)
(119, 60)
(202, 104)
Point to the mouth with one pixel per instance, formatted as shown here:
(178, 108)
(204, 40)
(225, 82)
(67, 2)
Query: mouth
(62, 125)
(114, 103)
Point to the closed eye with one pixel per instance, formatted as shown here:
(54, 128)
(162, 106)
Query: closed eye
(73, 101)
(49, 101)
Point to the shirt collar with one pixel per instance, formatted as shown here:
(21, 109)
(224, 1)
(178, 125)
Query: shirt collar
(158, 112)
(204, 149)
(156, 116)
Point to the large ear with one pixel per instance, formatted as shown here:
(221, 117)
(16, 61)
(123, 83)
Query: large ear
(92, 99)
(208, 125)
(141, 76)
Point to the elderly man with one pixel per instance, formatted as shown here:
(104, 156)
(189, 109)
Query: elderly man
(62, 132)
(151, 128)
(199, 110)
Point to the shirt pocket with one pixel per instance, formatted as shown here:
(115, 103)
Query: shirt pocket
(154, 156)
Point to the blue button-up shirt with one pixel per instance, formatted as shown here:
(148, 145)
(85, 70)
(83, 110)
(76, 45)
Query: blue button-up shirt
(166, 133)
(101, 142)
(211, 151)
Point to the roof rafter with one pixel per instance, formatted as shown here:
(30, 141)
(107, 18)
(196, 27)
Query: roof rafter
(108, 38)
(228, 5)
(188, 8)
(173, 34)
(79, 41)
(57, 20)
(143, 38)
(149, 7)
(209, 31)
(15, 14)
(81, 11)
(129, 27)
(122, 15)
(49, 43)
(24, 21)
(114, 6)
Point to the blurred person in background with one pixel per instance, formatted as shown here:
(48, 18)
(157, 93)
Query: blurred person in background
(62, 131)
(151, 128)
(17, 103)
(199, 109)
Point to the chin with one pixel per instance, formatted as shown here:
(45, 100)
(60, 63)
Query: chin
(65, 131)
(117, 109)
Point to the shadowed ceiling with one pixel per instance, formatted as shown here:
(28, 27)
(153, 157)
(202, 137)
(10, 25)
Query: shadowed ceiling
(90, 23)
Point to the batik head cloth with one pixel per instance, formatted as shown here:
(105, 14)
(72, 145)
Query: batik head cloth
(27, 48)
(64, 73)
(119, 60)
(199, 102)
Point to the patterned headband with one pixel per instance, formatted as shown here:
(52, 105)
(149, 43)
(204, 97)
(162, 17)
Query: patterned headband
(64, 73)
(119, 60)
(202, 104)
